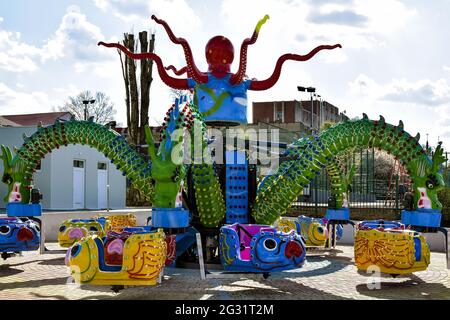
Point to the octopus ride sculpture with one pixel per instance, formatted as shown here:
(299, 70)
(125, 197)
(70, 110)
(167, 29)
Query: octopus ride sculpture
(219, 96)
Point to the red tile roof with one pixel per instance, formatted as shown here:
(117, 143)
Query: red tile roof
(33, 119)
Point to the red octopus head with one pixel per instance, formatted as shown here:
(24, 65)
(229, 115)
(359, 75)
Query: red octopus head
(219, 53)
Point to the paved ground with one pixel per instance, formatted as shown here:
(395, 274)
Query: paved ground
(34, 276)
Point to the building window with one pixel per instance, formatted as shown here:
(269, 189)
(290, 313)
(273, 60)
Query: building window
(78, 164)
(102, 166)
(279, 115)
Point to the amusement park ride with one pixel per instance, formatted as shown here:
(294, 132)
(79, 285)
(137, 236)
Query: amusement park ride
(203, 208)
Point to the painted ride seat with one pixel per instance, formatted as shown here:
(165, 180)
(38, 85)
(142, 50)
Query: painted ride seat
(73, 230)
(380, 225)
(114, 243)
(118, 222)
(387, 247)
(259, 248)
(314, 231)
(144, 254)
(18, 235)
(170, 241)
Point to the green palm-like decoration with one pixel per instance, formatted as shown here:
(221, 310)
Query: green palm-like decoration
(168, 170)
(13, 176)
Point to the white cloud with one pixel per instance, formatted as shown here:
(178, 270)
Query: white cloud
(75, 38)
(385, 16)
(427, 102)
(177, 13)
(424, 92)
(446, 68)
(375, 20)
(15, 55)
(19, 102)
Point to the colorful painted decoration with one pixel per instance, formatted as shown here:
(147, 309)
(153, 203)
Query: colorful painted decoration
(171, 249)
(143, 256)
(313, 230)
(18, 235)
(113, 255)
(387, 247)
(220, 95)
(73, 230)
(118, 222)
(259, 248)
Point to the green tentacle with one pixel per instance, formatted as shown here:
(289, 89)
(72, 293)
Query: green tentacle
(282, 188)
(112, 144)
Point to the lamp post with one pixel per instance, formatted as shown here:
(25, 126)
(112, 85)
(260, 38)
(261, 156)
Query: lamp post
(319, 110)
(311, 90)
(86, 102)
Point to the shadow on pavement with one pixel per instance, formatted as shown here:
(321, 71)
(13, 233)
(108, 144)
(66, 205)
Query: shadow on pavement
(279, 289)
(53, 262)
(402, 289)
(6, 271)
(334, 266)
(34, 283)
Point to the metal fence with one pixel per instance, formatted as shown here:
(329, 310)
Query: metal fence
(369, 197)
(366, 194)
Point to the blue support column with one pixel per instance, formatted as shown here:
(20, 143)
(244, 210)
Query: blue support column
(236, 187)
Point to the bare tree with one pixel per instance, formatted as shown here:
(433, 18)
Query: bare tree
(137, 93)
(102, 110)
(177, 93)
(137, 96)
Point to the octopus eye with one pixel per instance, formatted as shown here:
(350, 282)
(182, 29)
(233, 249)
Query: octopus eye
(75, 250)
(4, 230)
(270, 244)
(320, 229)
(62, 228)
(430, 184)
(93, 228)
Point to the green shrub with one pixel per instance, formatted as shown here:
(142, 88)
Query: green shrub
(444, 197)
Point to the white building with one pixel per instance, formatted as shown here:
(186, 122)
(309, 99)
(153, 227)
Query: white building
(72, 177)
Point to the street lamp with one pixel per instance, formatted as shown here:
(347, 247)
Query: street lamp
(311, 90)
(319, 111)
(86, 102)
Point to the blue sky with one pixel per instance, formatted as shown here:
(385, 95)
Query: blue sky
(394, 59)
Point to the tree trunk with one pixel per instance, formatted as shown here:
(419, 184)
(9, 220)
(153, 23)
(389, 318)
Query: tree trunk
(134, 94)
(137, 98)
(146, 80)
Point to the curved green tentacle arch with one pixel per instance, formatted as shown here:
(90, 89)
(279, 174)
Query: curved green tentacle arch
(289, 180)
(107, 141)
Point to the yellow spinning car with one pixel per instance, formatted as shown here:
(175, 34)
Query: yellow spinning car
(73, 230)
(143, 257)
(388, 247)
